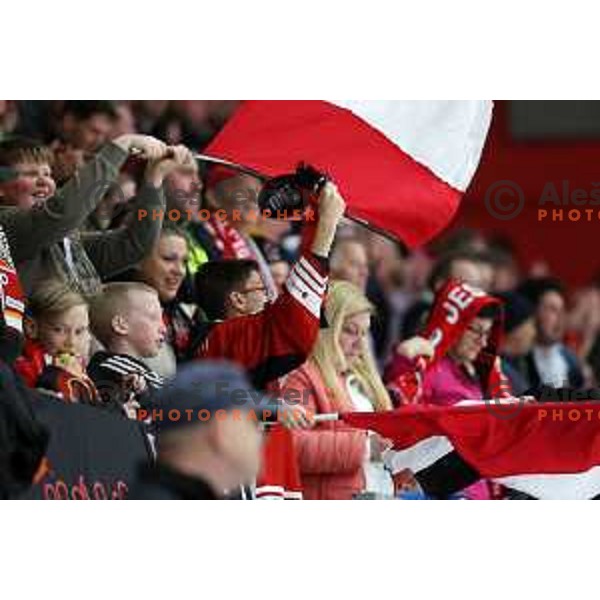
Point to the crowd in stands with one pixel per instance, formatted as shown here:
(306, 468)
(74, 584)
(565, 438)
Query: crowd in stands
(116, 304)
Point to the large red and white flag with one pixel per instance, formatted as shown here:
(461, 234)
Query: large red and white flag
(548, 451)
(402, 166)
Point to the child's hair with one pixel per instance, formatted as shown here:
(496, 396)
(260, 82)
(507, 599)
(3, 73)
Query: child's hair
(85, 109)
(114, 298)
(51, 298)
(215, 280)
(17, 149)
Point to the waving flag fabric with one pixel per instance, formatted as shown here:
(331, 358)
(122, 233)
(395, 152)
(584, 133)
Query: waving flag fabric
(402, 166)
(548, 451)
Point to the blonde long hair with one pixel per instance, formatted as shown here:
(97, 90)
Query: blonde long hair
(345, 300)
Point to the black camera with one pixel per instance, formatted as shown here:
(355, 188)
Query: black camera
(287, 193)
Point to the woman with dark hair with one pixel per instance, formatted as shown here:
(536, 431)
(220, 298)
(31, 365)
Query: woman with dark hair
(164, 270)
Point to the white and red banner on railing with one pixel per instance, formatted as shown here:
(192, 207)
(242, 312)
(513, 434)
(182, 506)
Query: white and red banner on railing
(549, 450)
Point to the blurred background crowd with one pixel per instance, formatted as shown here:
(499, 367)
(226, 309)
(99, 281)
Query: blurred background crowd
(552, 330)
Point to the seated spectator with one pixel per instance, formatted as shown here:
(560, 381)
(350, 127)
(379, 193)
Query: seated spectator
(350, 262)
(127, 320)
(550, 363)
(463, 365)
(203, 459)
(41, 225)
(337, 462)
(57, 344)
(518, 340)
(266, 343)
(164, 269)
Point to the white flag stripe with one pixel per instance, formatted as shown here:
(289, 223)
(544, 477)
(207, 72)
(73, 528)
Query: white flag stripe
(419, 456)
(446, 136)
(557, 486)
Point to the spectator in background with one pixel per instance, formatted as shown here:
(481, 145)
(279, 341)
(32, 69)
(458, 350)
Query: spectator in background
(280, 271)
(337, 462)
(350, 262)
(464, 265)
(9, 118)
(518, 340)
(232, 199)
(84, 127)
(42, 225)
(583, 332)
(57, 346)
(164, 270)
(550, 363)
(183, 188)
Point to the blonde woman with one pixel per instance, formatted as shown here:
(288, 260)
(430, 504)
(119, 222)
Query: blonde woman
(337, 462)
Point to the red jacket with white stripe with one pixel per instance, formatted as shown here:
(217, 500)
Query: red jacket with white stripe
(279, 339)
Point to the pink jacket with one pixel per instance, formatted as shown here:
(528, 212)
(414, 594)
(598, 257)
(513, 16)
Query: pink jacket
(331, 455)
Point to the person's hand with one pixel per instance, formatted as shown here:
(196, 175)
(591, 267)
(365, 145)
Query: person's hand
(404, 481)
(135, 383)
(295, 417)
(414, 347)
(69, 362)
(145, 146)
(331, 203)
(176, 158)
(378, 445)
(131, 408)
(331, 208)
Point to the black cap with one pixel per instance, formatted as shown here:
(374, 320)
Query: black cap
(202, 391)
(517, 309)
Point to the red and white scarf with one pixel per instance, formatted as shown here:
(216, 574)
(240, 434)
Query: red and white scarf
(455, 306)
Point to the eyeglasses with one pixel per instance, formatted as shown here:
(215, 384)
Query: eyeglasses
(261, 289)
(482, 334)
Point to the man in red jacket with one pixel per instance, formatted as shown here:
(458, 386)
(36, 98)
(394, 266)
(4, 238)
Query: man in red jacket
(279, 338)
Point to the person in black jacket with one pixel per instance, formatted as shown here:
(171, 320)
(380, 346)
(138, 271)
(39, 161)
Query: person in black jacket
(550, 363)
(208, 443)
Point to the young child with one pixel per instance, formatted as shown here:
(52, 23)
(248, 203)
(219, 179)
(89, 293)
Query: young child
(57, 344)
(127, 320)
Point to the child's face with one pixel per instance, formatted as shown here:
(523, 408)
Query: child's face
(33, 185)
(66, 333)
(146, 328)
